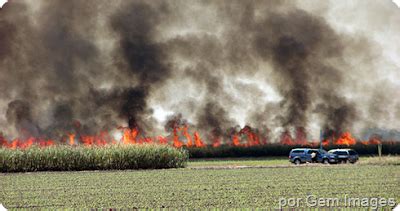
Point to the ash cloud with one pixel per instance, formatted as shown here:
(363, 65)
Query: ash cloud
(108, 64)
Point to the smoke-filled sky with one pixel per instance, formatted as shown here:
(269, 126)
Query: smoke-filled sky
(332, 65)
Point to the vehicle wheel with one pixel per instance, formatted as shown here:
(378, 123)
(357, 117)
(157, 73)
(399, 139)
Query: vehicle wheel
(297, 162)
(325, 161)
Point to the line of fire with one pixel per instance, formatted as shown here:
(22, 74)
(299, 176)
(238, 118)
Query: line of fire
(183, 136)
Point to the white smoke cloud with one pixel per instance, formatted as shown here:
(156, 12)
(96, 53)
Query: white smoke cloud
(397, 2)
(2, 2)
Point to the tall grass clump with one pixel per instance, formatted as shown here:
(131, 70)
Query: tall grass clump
(77, 158)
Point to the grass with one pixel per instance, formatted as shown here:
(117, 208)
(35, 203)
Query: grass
(261, 161)
(198, 188)
(384, 160)
(67, 158)
(279, 161)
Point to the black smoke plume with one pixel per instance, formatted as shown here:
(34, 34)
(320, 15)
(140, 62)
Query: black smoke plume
(89, 66)
(136, 23)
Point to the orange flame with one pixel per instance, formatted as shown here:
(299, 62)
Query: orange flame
(235, 140)
(372, 141)
(345, 139)
(177, 143)
(71, 137)
(286, 138)
(185, 132)
(197, 140)
(129, 136)
(181, 136)
(252, 137)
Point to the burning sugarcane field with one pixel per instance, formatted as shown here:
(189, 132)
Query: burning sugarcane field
(187, 104)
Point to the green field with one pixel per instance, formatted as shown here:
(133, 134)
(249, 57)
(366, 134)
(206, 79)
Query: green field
(260, 185)
(237, 162)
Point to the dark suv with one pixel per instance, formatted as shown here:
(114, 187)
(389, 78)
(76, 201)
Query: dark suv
(345, 155)
(303, 155)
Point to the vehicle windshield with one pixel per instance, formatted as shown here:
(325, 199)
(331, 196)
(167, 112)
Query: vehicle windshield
(352, 152)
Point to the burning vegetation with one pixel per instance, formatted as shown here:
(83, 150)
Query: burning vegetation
(181, 136)
(244, 74)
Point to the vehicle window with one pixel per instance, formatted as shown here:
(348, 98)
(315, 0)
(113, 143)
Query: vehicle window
(298, 151)
(322, 151)
(341, 153)
(351, 152)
